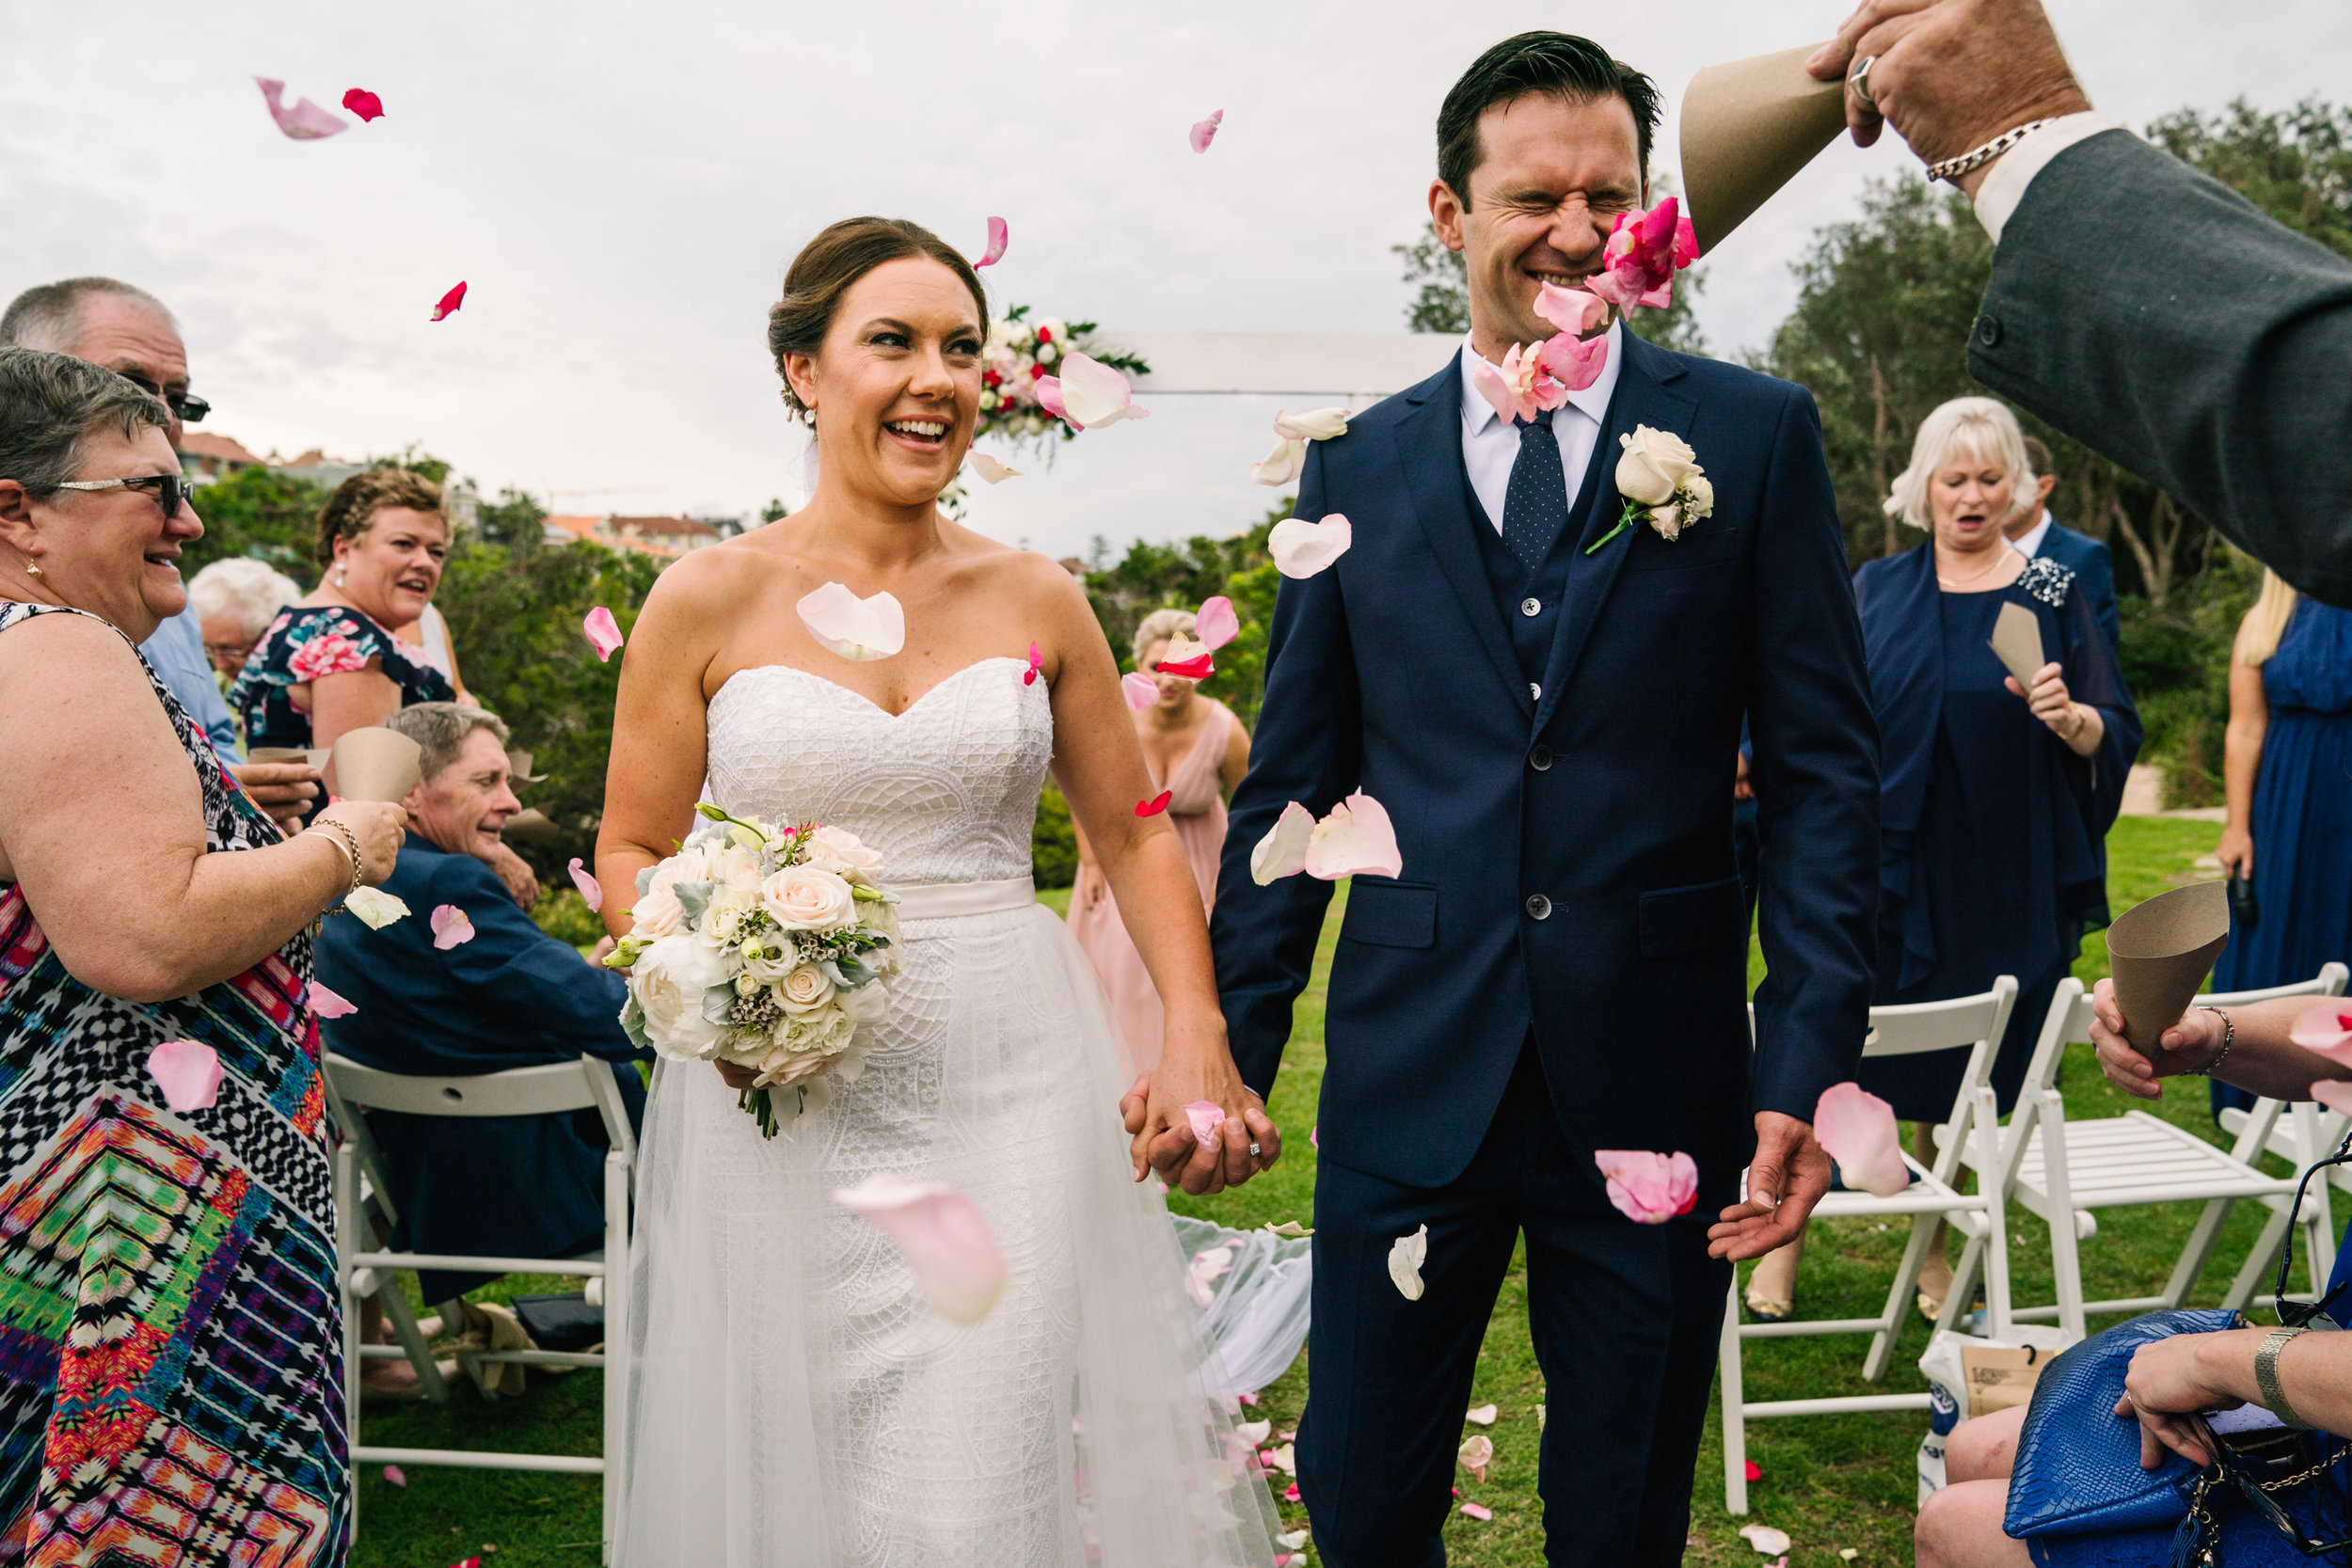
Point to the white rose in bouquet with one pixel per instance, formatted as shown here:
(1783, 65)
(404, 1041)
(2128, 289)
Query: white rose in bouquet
(736, 867)
(842, 852)
(689, 864)
(867, 1004)
(806, 990)
(667, 984)
(808, 898)
(806, 1045)
(659, 913)
(724, 916)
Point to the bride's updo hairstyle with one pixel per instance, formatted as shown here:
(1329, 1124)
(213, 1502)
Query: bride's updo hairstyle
(831, 264)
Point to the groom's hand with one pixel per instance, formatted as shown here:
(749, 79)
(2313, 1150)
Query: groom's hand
(1786, 1178)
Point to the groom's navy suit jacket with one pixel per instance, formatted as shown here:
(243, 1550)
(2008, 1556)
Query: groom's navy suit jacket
(1568, 856)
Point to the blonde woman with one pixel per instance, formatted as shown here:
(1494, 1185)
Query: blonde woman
(2287, 773)
(1197, 752)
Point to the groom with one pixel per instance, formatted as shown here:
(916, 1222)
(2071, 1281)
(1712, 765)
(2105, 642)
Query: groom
(1551, 721)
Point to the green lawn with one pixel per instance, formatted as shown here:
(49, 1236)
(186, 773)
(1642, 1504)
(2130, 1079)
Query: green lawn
(1831, 1483)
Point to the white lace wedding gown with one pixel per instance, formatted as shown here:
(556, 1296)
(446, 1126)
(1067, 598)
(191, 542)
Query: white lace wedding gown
(795, 1399)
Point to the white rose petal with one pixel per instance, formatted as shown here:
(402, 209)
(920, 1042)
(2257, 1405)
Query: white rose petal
(838, 850)
(374, 905)
(657, 914)
(1314, 425)
(1282, 465)
(855, 629)
(992, 470)
(866, 1004)
(1300, 549)
(668, 980)
(1771, 1542)
(804, 990)
(1406, 1257)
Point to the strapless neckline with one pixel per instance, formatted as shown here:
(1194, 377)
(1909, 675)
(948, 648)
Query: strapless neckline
(929, 691)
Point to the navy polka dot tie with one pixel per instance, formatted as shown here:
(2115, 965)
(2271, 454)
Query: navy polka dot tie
(1535, 507)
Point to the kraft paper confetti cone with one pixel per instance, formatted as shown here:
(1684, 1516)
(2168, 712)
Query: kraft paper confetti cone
(308, 756)
(2161, 952)
(1747, 128)
(2017, 643)
(376, 765)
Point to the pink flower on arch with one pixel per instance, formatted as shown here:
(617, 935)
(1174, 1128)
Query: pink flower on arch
(1650, 1188)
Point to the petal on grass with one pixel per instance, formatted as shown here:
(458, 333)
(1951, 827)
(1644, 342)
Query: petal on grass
(1858, 1129)
(1302, 549)
(1771, 1542)
(943, 1235)
(999, 234)
(395, 1475)
(1482, 1415)
(857, 629)
(1477, 1510)
(188, 1073)
(604, 633)
(1407, 1254)
(1283, 851)
(328, 1005)
(1476, 1454)
(451, 926)
(591, 890)
(305, 121)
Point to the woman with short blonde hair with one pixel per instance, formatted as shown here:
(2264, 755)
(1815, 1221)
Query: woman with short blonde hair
(1981, 430)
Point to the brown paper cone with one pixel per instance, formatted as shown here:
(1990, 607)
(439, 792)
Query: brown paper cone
(518, 769)
(376, 765)
(1747, 128)
(308, 756)
(529, 826)
(2017, 642)
(2161, 952)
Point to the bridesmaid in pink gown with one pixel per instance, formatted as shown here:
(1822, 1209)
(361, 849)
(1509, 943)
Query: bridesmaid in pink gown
(1197, 752)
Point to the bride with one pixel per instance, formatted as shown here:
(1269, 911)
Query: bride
(795, 1402)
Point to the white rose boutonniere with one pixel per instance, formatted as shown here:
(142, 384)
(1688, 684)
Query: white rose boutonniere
(1659, 477)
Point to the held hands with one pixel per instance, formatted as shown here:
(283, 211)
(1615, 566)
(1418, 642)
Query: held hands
(1950, 76)
(1788, 1177)
(1153, 1112)
(2190, 1046)
(283, 789)
(378, 828)
(522, 883)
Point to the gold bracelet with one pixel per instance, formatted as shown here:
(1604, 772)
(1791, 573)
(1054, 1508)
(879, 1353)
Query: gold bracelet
(351, 844)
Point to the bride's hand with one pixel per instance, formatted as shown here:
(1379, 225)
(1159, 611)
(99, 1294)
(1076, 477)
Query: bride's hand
(1194, 1067)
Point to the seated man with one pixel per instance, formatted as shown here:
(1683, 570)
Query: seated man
(509, 996)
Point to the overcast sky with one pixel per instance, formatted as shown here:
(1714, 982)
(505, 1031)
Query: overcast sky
(622, 186)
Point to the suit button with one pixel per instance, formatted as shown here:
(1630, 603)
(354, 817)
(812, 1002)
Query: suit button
(1989, 330)
(1535, 692)
(1531, 607)
(1538, 907)
(1540, 759)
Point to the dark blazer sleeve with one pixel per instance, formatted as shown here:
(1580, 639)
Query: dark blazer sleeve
(515, 973)
(2097, 576)
(2157, 316)
(1309, 748)
(1817, 783)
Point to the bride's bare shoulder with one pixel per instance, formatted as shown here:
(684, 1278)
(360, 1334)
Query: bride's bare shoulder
(717, 581)
(1028, 579)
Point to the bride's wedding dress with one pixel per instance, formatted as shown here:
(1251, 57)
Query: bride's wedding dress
(795, 1399)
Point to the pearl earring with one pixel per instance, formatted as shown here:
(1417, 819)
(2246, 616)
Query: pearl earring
(339, 576)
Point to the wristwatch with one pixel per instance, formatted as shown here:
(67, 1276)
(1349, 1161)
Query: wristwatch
(2266, 1376)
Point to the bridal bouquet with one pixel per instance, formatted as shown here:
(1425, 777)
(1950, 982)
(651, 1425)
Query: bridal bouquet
(763, 947)
(1022, 351)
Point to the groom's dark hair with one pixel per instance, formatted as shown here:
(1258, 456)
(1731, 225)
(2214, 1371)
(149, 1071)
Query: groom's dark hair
(1556, 65)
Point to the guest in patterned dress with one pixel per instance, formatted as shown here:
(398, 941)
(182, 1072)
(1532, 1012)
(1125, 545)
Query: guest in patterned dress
(171, 1370)
(1196, 751)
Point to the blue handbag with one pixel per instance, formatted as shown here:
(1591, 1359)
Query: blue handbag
(2077, 1467)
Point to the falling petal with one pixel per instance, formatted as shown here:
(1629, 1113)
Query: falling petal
(1357, 837)
(1492, 386)
(992, 470)
(1313, 424)
(450, 302)
(1481, 1416)
(1858, 1129)
(360, 102)
(1283, 851)
(1192, 667)
(1650, 1188)
(1300, 549)
(2335, 1094)
(306, 120)
(857, 629)
(328, 1005)
(1765, 1539)
(1281, 466)
(1205, 130)
(1155, 805)
(2327, 1029)
(1574, 311)
(997, 234)
(1029, 677)
(1094, 393)
(451, 926)
(1478, 1511)
(1207, 1117)
(1575, 363)
(1476, 1454)
(941, 1235)
(375, 906)
(1200, 1278)
(604, 633)
(1289, 1230)
(1141, 690)
(1252, 1432)
(188, 1071)
(1216, 624)
(590, 889)
(1407, 1254)
(1047, 390)
(394, 1474)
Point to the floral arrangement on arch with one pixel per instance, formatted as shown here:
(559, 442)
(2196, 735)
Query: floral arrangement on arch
(1021, 350)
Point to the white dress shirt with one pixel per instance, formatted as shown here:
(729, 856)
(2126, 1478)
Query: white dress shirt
(1490, 443)
(2029, 543)
(2004, 185)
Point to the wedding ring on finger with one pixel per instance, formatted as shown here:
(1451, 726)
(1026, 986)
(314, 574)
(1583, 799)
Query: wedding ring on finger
(1254, 1150)
(1859, 79)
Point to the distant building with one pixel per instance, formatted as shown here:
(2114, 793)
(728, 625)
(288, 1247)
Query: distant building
(1075, 567)
(667, 538)
(317, 469)
(205, 457)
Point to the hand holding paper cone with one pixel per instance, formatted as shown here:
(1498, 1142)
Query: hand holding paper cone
(1748, 127)
(2161, 951)
(2017, 642)
(376, 765)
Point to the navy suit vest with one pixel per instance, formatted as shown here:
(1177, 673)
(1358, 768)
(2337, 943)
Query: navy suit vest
(1515, 587)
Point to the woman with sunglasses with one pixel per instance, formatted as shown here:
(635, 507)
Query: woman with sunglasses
(171, 1254)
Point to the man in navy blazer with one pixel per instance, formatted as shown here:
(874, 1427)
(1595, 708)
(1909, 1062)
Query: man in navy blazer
(2038, 534)
(1550, 712)
(507, 996)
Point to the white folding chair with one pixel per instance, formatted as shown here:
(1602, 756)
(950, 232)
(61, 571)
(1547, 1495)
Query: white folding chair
(364, 1268)
(2299, 1132)
(1908, 1029)
(2064, 1170)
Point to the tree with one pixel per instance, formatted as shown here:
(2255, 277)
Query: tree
(1442, 304)
(254, 512)
(513, 520)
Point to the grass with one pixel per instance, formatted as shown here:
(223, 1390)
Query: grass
(1830, 1482)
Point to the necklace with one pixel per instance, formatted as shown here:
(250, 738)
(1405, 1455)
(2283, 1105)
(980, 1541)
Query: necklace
(2000, 559)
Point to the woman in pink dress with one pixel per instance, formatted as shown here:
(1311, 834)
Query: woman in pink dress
(1197, 752)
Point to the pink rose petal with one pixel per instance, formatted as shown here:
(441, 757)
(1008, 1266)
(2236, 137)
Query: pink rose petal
(1029, 677)
(1302, 549)
(1047, 390)
(1312, 1142)
(1216, 624)
(1478, 1511)
(1155, 805)
(1644, 252)
(1290, 1496)
(998, 233)
(328, 1005)
(306, 120)
(1283, 851)
(1207, 1117)
(451, 926)
(1492, 387)
(1646, 1187)
(188, 1073)
(450, 302)
(1858, 1129)
(395, 1475)
(1249, 1400)
(1753, 1470)
(1199, 668)
(604, 633)
(857, 629)
(591, 890)
(1575, 311)
(1575, 363)
(1355, 838)
(2327, 1029)
(1205, 130)
(360, 102)
(2335, 1094)
(943, 1238)
(1094, 394)
(1141, 690)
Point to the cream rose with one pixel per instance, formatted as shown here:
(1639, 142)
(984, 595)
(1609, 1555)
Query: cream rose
(842, 852)
(808, 898)
(687, 865)
(667, 981)
(657, 914)
(736, 867)
(804, 990)
(1654, 465)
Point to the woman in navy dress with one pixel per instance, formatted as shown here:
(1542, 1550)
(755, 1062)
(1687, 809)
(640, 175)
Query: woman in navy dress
(1995, 801)
(2287, 767)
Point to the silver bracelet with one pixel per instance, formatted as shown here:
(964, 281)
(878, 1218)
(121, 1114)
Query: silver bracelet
(2266, 1376)
(1952, 168)
(2228, 1039)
